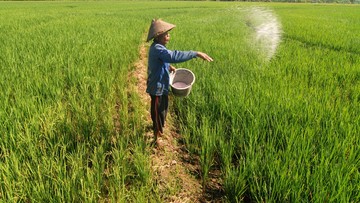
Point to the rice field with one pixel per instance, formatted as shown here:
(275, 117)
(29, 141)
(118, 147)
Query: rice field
(277, 112)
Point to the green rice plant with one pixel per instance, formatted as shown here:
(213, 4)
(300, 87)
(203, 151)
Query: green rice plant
(234, 178)
(235, 184)
(207, 150)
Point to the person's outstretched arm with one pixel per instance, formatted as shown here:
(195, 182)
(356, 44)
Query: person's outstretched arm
(176, 56)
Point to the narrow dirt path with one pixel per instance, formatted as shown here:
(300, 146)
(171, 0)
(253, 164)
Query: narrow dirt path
(173, 169)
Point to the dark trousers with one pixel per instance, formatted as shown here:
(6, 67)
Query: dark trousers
(159, 108)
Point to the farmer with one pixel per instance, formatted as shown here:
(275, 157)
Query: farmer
(158, 81)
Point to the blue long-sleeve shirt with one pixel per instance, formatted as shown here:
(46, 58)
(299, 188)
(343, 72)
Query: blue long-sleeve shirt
(160, 57)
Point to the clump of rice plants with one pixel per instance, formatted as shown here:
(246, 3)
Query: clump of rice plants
(289, 120)
(68, 134)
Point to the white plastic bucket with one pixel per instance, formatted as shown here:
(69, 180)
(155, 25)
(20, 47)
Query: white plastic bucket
(181, 82)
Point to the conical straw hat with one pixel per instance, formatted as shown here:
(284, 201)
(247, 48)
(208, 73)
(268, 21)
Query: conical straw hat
(158, 27)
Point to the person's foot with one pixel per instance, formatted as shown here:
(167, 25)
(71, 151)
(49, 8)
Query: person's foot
(157, 143)
(159, 134)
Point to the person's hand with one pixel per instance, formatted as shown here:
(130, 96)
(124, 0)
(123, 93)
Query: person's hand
(172, 68)
(204, 56)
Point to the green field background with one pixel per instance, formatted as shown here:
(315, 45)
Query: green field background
(283, 129)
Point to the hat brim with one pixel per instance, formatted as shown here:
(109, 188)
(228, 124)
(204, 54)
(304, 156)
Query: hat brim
(157, 28)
